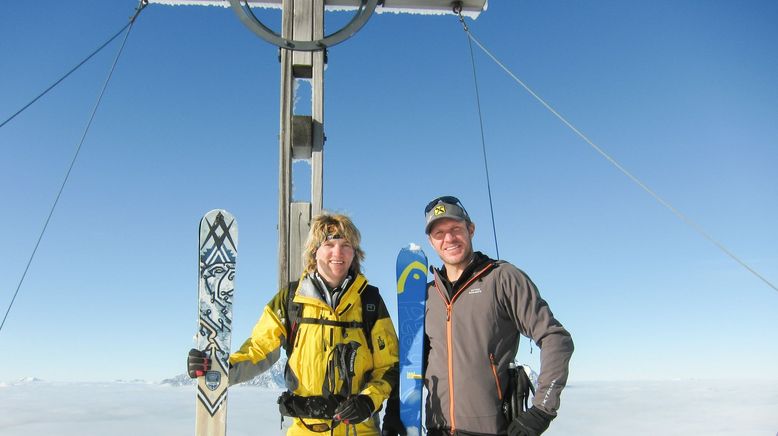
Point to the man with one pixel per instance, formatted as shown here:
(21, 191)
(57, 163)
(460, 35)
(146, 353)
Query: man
(476, 309)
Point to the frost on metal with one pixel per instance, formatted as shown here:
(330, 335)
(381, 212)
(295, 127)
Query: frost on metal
(191, 3)
(470, 8)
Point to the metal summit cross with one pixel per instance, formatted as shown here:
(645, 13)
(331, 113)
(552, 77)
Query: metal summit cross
(303, 44)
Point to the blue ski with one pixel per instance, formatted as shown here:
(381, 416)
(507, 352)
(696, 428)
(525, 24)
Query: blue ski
(411, 293)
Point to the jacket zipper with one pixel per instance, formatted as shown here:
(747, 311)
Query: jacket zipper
(496, 379)
(449, 342)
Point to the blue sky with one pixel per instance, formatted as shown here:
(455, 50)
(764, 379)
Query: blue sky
(684, 95)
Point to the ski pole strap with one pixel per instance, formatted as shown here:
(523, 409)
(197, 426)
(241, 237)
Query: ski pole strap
(330, 382)
(351, 426)
(519, 388)
(342, 359)
(346, 355)
(523, 389)
(511, 405)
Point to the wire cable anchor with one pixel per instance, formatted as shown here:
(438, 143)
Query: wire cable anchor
(457, 9)
(141, 5)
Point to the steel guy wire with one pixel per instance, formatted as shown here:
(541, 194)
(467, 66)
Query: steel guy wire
(688, 221)
(73, 161)
(53, 85)
(481, 125)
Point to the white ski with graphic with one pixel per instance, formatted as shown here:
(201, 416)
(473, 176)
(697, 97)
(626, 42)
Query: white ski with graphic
(217, 255)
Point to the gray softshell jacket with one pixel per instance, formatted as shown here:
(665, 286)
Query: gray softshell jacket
(474, 336)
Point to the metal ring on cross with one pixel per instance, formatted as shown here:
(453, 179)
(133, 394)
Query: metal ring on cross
(365, 10)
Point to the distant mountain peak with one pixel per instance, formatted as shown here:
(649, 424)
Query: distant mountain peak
(28, 380)
(270, 379)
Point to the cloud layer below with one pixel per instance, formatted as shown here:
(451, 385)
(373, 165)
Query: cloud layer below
(593, 408)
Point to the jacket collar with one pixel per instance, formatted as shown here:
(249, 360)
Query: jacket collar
(480, 260)
(308, 291)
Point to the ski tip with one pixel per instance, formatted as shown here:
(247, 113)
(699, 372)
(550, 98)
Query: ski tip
(414, 246)
(215, 212)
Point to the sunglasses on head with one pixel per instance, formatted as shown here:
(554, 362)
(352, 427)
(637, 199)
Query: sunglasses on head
(444, 199)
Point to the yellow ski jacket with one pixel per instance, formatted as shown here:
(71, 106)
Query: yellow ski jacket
(306, 372)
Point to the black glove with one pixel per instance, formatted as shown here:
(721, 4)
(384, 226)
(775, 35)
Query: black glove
(354, 410)
(530, 423)
(197, 363)
(393, 426)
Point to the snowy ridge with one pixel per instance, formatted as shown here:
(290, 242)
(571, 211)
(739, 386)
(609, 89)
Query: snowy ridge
(29, 380)
(179, 380)
(24, 381)
(270, 379)
(533, 376)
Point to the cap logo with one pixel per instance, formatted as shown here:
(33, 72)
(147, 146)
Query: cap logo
(439, 210)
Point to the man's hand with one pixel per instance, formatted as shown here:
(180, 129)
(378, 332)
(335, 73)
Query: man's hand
(197, 363)
(354, 410)
(530, 423)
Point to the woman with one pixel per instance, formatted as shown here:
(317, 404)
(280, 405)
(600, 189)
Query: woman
(340, 369)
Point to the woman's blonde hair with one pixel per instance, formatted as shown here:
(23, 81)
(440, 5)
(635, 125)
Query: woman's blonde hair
(324, 226)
